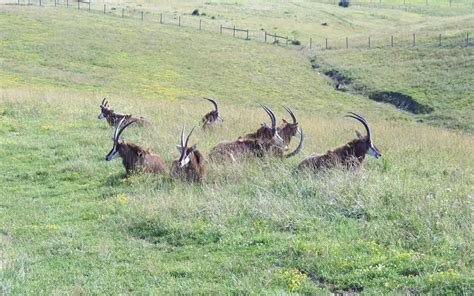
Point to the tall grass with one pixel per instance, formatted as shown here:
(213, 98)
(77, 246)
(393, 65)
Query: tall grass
(404, 220)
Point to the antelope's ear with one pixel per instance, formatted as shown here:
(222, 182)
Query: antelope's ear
(284, 121)
(194, 147)
(359, 135)
(179, 148)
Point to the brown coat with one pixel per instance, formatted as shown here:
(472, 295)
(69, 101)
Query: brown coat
(135, 158)
(194, 171)
(350, 155)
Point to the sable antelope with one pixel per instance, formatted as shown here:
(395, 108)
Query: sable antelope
(266, 134)
(288, 130)
(134, 157)
(114, 118)
(211, 117)
(350, 155)
(251, 144)
(190, 164)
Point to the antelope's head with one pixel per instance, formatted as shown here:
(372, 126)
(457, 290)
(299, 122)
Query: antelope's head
(214, 114)
(289, 129)
(184, 150)
(365, 143)
(104, 109)
(269, 134)
(117, 142)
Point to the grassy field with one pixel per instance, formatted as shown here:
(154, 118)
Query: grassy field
(69, 224)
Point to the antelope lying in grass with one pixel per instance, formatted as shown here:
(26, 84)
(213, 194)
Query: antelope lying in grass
(350, 155)
(134, 157)
(287, 131)
(252, 144)
(190, 164)
(114, 118)
(211, 117)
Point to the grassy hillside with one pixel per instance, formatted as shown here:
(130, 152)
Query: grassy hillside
(70, 224)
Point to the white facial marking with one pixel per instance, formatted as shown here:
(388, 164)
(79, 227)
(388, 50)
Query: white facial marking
(101, 116)
(278, 139)
(373, 153)
(184, 162)
(112, 154)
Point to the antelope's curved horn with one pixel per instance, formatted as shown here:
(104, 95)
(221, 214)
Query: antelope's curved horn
(103, 101)
(293, 117)
(117, 128)
(300, 146)
(363, 121)
(133, 120)
(182, 137)
(189, 136)
(270, 113)
(213, 103)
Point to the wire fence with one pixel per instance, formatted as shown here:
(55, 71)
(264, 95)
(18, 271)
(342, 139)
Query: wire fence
(223, 28)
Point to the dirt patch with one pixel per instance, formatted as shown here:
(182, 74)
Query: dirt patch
(340, 80)
(401, 101)
(314, 65)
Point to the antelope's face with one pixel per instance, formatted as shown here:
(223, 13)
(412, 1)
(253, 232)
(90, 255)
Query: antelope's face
(185, 156)
(289, 129)
(277, 138)
(104, 111)
(371, 149)
(374, 151)
(114, 152)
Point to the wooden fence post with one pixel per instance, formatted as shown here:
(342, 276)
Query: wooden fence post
(67, 3)
(347, 42)
(275, 37)
(286, 40)
(467, 39)
(200, 25)
(369, 41)
(104, 9)
(439, 39)
(123, 11)
(391, 41)
(89, 5)
(310, 43)
(40, 2)
(220, 31)
(414, 40)
(161, 18)
(233, 32)
(247, 34)
(265, 36)
(142, 15)
(179, 21)
(326, 43)
(54, 3)
(78, 4)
